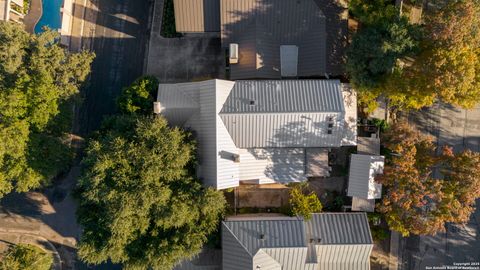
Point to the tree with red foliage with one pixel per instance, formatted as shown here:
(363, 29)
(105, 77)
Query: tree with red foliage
(416, 201)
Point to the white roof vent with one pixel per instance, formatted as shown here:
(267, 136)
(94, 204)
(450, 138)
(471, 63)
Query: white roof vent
(158, 107)
(289, 60)
(233, 58)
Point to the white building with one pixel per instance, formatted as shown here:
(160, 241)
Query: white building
(11, 10)
(259, 131)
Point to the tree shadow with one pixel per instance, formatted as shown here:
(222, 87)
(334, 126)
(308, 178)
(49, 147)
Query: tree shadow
(262, 28)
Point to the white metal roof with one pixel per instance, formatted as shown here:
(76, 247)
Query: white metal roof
(289, 113)
(268, 143)
(328, 240)
(361, 181)
(284, 96)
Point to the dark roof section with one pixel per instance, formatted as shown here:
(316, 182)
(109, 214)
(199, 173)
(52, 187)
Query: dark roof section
(260, 27)
(197, 15)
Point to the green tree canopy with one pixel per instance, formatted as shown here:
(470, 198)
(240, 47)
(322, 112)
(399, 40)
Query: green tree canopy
(304, 204)
(139, 97)
(37, 76)
(384, 37)
(139, 204)
(26, 257)
(415, 65)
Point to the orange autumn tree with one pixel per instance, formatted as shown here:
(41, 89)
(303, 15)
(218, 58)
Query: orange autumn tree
(417, 202)
(448, 66)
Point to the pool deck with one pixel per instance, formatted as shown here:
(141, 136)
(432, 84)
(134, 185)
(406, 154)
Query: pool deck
(33, 16)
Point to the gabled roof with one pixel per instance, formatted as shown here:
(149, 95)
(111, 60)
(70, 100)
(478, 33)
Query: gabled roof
(285, 113)
(263, 142)
(361, 181)
(328, 239)
(257, 234)
(284, 96)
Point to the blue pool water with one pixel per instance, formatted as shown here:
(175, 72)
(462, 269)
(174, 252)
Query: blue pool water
(50, 16)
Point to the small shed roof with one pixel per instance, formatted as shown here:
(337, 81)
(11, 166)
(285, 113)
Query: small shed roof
(197, 15)
(361, 182)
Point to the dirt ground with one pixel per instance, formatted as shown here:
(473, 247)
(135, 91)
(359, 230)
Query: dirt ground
(262, 196)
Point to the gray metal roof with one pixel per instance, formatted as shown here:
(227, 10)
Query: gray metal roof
(260, 27)
(256, 234)
(274, 96)
(339, 228)
(197, 15)
(345, 242)
(286, 113)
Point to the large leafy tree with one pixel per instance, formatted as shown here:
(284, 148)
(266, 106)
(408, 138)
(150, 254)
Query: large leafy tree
(449, 63)
(416, 201)
(139, 96)
(37, 76)
(139, 204)
(413, 66)
(384, 37)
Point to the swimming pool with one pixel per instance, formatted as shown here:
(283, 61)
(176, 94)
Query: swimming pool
(51, 15)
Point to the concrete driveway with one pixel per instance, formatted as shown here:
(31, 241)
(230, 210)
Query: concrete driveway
(193, 57)
(460, 243)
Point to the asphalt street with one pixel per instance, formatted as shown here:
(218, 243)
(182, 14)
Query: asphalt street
(460, 243)
(119, 42)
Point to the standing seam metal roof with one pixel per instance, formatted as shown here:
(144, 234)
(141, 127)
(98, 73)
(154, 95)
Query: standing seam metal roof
(276, 233)
(275, 96)
(339, 228)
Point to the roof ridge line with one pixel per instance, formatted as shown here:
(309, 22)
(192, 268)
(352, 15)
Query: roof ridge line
(238, 240)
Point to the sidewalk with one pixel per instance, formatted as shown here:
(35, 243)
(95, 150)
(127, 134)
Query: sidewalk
(33, 16)
(83, 26)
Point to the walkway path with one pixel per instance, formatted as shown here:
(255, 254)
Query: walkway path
(33, 16)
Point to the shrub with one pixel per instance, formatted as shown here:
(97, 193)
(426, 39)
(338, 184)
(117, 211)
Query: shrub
(23, 256)
(303, 203)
